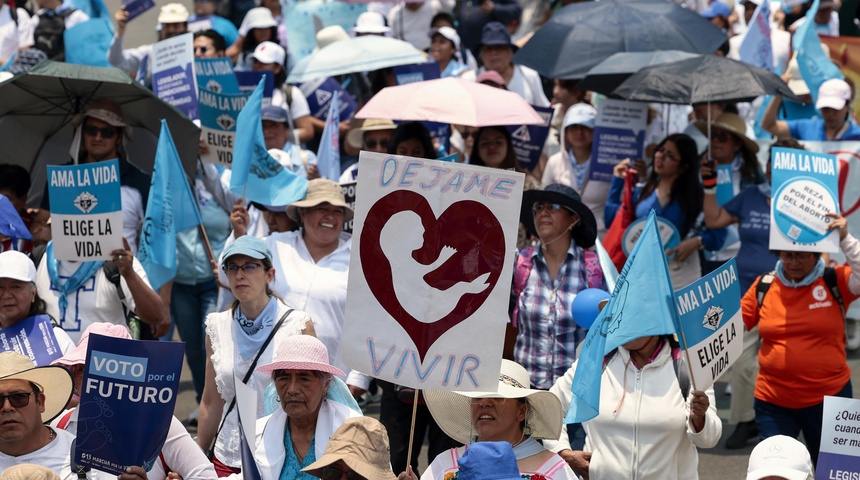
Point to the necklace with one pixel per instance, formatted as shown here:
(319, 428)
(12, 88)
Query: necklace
(51, 434)
(301, 458)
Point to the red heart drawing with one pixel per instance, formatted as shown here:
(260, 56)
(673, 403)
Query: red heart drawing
(468, 226)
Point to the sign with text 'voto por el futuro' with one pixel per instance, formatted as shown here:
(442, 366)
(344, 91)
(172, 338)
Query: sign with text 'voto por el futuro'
(86, 210)
(711, 323)
(430, 272)
(805, 187)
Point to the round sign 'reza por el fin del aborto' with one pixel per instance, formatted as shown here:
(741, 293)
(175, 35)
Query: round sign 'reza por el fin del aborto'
(799, 208)
(668, 234)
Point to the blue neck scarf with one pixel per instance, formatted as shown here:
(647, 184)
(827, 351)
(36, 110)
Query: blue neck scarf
(85, 271)
(806, 281)
(256, 330)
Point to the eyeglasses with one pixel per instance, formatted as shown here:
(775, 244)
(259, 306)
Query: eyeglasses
(374, 143)
(787, 257)
(17, 400)
(106, 132)
(553, 207)
(248, 268)
(203, 49)
(721, 136)
(331, 473)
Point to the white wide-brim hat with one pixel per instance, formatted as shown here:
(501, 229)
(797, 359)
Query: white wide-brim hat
(452, 410)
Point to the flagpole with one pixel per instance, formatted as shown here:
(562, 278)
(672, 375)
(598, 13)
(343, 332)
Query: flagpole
(412, 429)
(206, 243)
(687, 353)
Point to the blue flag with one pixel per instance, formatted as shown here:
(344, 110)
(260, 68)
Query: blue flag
(642, 304)
(328, 155)
(815, 66)
(256, 175)
(170, 209)
(756, 47)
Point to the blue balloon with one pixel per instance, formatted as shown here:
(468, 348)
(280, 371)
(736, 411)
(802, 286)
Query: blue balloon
(584, 307)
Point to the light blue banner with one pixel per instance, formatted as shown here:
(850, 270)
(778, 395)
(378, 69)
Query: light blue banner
(89, 189)
(216, 75)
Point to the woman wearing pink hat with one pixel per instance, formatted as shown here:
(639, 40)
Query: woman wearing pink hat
(296, 435)
(179, 454)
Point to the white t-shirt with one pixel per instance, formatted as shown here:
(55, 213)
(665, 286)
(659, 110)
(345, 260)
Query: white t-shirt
(298, 103)
(10, 34)
(526, 83)
(54, 455)
(29, 27)
(414, 26)
(96, 301)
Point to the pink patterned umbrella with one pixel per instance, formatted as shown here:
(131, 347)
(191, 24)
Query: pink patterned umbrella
(451, 100)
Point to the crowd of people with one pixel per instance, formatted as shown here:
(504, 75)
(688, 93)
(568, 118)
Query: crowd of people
(268, 304)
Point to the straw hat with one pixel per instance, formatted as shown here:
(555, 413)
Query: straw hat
(321, 190)
(301, 352)
(362, 444)
(730, 122)
(452, 410)
(28, 471)
(54, 382)
(78, 355)
(355, 137)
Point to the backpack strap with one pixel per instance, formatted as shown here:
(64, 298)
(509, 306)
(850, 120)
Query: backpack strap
(833, 285)
(593, 272)
(522, 270)
(763, 286)
(163, 463)
(113, 276)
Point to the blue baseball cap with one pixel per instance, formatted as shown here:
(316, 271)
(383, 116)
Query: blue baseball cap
(247, 245)
(496, 33)
(275, 114)
(717, 9)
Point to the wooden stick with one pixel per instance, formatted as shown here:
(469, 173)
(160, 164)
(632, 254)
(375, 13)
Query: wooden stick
(412, 428)
(687, 353)
(207, 244)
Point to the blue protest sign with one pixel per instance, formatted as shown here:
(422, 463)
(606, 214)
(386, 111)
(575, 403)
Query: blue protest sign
(173, 74)
(86, 210)
(128, 394)
(248, 82)
(137, 7)
(303, 20)
(840, 437)
(619, 133)
(805, 187)
(216, 75)
(528, 140)
(405, 74)
(218, 114)
(725, 186)
(319, 94)
(668, 234)
(711, 323)
(32, 337)
(87, 43)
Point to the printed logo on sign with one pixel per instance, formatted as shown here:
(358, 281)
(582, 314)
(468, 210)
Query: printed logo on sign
(713, 317)
(522, 134)
(226, 122)
(86, 201)
(819, 293)
(214, 86)
(322, 96)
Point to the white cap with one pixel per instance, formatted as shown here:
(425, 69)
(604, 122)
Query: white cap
(173, 13)
(17, 266)
(331, 34)
(260, 17)
(448, 33)
(780, 456)
(834, 93)
(371, 22)
(580, 114)
(269, 52)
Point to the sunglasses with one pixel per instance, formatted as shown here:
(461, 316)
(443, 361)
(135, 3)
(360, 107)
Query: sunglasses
(721, 137)
(17, 400)
(331, 473)
(106, 132)
(248, 268)
(374, 143)
(552, 207)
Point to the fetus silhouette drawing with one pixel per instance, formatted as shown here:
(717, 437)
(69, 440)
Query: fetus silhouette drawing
(430, 273)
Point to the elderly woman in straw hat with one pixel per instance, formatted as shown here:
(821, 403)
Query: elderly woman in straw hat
(294, 436)
(358, 447)
(313, 263)
(31, 396)
(239, 339)
(514, 413)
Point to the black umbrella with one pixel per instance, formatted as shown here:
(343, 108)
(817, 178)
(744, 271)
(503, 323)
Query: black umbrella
(581, 35)
(705, 78)
(607, 75)
(37, 108)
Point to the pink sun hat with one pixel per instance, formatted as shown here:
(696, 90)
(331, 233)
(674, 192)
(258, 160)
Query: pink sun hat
(78, 355)
(301, 352)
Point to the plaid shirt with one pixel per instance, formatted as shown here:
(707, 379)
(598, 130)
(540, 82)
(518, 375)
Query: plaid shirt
(548, 336)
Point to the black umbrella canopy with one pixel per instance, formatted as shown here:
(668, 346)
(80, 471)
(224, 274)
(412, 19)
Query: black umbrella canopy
(705, 78)
(37, 108)
(607, 75)
(581, 35)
